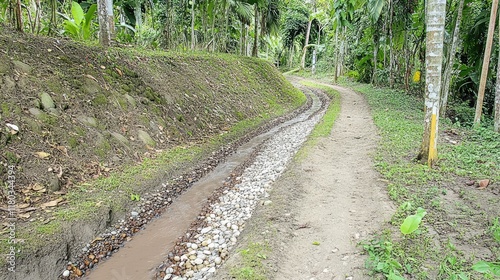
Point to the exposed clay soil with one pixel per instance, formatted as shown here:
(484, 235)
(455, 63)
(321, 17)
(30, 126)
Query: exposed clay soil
(332, 198)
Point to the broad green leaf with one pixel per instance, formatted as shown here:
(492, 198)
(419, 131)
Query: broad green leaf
(394, 276)
(481, 267)
(88, 20)
(376, 7)
(412, 222)
(77, 12)
(72, 29)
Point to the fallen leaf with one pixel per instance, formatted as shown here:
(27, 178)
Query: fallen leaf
(42, 155)
(52, 203)
(119, 71)
(37, 187)
(63, 150)
(24, 215)
(483, 184)
(91, 77)
(22, 206)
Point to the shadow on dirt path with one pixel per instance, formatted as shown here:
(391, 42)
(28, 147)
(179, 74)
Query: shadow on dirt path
(323, 205)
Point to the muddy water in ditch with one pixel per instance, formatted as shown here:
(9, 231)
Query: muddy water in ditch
(138, 259)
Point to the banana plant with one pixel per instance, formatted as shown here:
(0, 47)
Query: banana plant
(80, 26)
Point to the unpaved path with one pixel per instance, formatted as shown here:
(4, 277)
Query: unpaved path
(332, 197)
(343, 201)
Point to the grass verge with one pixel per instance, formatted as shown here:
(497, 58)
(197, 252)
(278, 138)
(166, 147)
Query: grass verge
(456, 233)
(324, 127)
(251, 262)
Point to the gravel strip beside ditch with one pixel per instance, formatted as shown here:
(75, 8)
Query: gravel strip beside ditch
(204, 249)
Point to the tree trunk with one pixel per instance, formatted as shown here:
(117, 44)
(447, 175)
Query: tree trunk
(138, 14)
(450, 60)
(391, 51)
(486, 62)
(256, 32)
(375, 55)
(106, 21)
(497, 93)
(18, 13)
(335, 77)
(304, 52)
(53, 16)
(192, 25)
(167, 31)
(435, 19)
(313, 67)
(226, 27)
(242, 39)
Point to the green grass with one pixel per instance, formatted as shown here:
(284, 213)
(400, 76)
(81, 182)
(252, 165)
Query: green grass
(251, 267)
(399, 118)
(324, 127)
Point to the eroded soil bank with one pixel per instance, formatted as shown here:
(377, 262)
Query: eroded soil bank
(91, 133)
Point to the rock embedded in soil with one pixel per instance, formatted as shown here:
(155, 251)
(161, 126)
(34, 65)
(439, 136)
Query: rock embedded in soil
(35, 112)
(21, 67)
(47, 102)
(120, 138)
(145, 138)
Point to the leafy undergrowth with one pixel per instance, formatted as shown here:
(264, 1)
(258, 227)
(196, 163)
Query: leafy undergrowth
(97, 128)
(458, 238)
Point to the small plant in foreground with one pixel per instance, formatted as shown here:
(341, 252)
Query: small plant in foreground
(495, 230)
(135, 197)
(490, 269)
(380, 258)
(412, 222)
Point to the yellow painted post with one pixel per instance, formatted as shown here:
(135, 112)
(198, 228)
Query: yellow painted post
(433, 141)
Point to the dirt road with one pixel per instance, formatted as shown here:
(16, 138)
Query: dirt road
(322, 206)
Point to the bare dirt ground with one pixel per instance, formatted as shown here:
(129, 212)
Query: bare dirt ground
(322, 207)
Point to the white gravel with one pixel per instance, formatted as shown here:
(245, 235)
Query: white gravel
(235, 206)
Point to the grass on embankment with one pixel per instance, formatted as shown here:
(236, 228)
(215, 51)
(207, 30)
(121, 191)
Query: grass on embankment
(459, 229)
